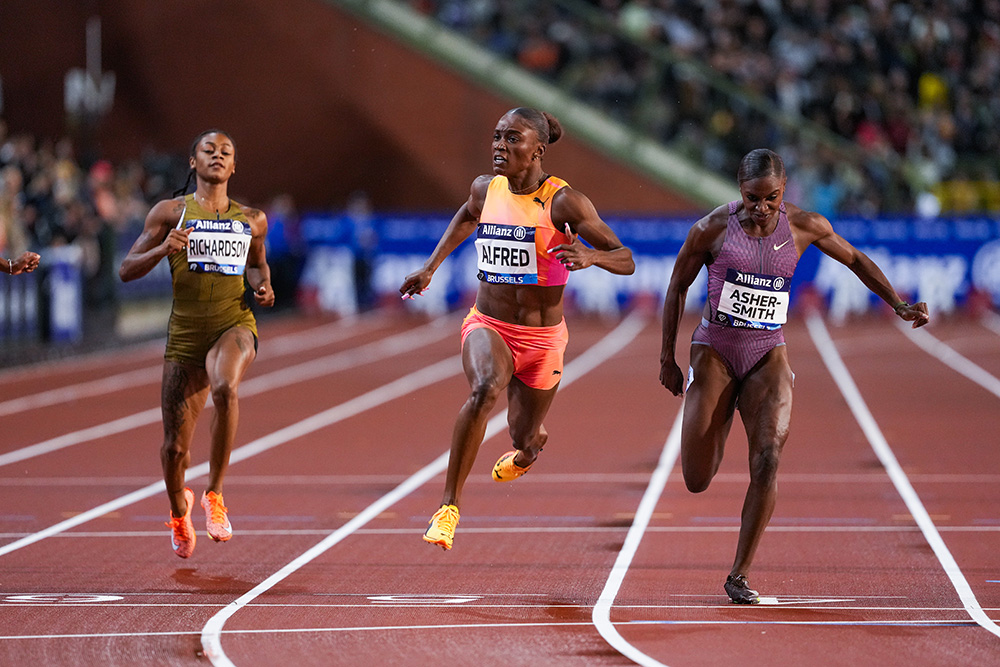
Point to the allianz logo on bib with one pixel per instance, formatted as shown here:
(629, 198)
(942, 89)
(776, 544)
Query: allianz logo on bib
(757, 280)
(227, 225)
(516, 232)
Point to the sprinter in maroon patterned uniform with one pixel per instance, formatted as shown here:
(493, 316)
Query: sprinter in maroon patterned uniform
(738, 354)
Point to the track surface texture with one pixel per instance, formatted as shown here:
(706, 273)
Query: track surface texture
(884, 548)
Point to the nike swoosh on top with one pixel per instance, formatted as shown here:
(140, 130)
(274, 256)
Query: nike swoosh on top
(779, 247)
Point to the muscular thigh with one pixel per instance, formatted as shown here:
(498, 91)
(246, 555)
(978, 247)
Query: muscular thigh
(709, 406)
(766, 400)
(231, 355)
(183, 395)
(710, 398)
(487, 359)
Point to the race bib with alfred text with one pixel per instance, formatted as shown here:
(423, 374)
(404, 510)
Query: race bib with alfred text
(506, 254)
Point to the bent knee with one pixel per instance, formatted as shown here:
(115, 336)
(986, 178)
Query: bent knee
(224, 393)
(698, 478)
(697, 484)
(171, 450)
(484, 394)
(764, 466)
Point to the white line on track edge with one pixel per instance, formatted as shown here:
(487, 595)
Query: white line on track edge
(278, 346)
(337, 361)
(601, 615)
(211, 635)
(951, 358)
(395, 389)
(828, 351)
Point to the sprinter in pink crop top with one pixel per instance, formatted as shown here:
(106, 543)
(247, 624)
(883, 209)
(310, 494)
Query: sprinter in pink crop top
(527, 225)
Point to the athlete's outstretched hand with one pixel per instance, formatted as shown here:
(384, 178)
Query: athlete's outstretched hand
(26, 263)
(415, 283)
(916, 313)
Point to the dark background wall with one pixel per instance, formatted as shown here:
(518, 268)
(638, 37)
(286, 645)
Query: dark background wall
(319, 104)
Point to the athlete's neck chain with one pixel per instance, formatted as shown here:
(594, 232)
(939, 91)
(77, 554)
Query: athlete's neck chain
(530, 188)
(204, 203)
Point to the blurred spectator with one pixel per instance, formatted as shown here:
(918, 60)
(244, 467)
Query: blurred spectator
(364, 243)
(49, 199)
(13, 239)
(897, 80)
(285, 250)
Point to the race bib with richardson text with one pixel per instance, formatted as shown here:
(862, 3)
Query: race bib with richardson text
(753, 300)
(218, 246)
(506, 254)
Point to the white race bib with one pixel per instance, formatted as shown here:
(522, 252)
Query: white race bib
(218, 246)
(753, 300)
(506, 254)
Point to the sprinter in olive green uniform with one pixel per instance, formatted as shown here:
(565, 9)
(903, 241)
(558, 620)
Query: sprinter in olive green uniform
(208, 301)
(212, 244)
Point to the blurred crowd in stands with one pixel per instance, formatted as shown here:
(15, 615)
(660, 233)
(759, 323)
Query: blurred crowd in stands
(48, 199)
(904, 91)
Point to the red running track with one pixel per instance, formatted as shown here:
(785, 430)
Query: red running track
(884, 553)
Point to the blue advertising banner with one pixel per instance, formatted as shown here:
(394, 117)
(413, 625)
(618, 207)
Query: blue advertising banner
(940, 261)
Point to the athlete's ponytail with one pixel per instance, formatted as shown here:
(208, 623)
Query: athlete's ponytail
(187, 183)
(546, 126)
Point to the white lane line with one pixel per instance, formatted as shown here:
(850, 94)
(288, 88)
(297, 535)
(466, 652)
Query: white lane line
(85, 361)
(473, 626)
(105, 385)
(544, 478)
(104, 430)
(211, 635)
(318, 336)
(583, 530)
(828, 351)
(337, 330)
(280, 631)
(395, 389)
(831, 605)
(375, 351)
(601, 616)
(280, 346)
(893, 623)
(991, 321)
(951, 358)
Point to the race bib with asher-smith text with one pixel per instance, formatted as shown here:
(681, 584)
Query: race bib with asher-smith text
(218, 246)
(506, 254)
(753, 300)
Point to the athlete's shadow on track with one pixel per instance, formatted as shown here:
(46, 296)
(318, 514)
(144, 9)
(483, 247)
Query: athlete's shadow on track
(188, 577)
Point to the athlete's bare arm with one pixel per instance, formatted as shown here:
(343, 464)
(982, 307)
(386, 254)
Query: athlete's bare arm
(812, 228)
(575, 210)
(159, 238)
(703, 243)
(258, 271)
(462, 225)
